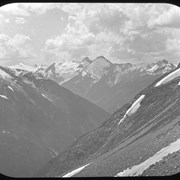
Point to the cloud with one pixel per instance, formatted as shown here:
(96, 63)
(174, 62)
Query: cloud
(71, 8)
(71, 18)
(3, 19)
(20, 20)
(25, 9)
(168, 18)
(149, 42)
(15, 9)
(79, 39)
(73, 41)
(119, 32)
(131, 32)
(15, 47)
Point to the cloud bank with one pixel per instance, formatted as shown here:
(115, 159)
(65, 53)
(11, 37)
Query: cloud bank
(121, 32)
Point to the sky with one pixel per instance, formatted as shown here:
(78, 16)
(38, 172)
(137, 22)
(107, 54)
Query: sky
(42, 33)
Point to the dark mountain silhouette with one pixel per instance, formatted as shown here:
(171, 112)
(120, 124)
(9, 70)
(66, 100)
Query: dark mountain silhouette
(38, 120)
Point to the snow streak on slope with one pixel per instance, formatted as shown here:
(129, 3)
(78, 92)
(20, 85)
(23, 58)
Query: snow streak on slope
(8, 133)
(3, 96)
(135, 106)
(140, 168)
(169, 77)
(75, 171)
(46, 97)
(10, 88)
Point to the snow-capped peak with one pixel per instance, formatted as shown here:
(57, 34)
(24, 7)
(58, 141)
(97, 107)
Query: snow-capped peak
(24, 67)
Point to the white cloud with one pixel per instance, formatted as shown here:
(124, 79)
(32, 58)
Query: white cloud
(118, 31)
(73, 41)
(71, 8)
(25, 9)
(168, 18)
(71, 18)
(18, 46)
(3, 19)
(115, 30)
(14, 9)
(20, 20)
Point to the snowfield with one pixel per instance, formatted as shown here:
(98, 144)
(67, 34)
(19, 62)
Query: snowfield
(3, 96)
(140, 168)
(169, 77)
(10, 88)
(75, 171)
(135, 106)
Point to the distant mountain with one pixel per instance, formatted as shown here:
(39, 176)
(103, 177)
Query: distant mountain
(38, 120)
(142, 138)
(63, 71)
(112, 85)
(99, 81)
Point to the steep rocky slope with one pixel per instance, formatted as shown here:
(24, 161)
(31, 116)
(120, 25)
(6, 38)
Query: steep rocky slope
(140, 138)
(38, 120)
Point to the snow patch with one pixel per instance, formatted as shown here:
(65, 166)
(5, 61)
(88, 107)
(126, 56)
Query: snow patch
(75, 171)
(169, 77)
(29, 82)
(4, 74)
(46, 97)
(179, 83)
(54, 153)
(10, 88)
(140, 168)
(152, 69)
(7, 132)
(3, 96)
(135, 106)
(84, 73)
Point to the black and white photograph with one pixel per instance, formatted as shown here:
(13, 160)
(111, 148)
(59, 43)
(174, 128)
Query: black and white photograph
(89, 89)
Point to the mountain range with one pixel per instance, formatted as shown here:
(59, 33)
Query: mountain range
(55, 119)
(142, 138)
(102, 82)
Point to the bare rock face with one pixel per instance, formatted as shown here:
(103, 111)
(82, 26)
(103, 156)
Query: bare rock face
(178, 66)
